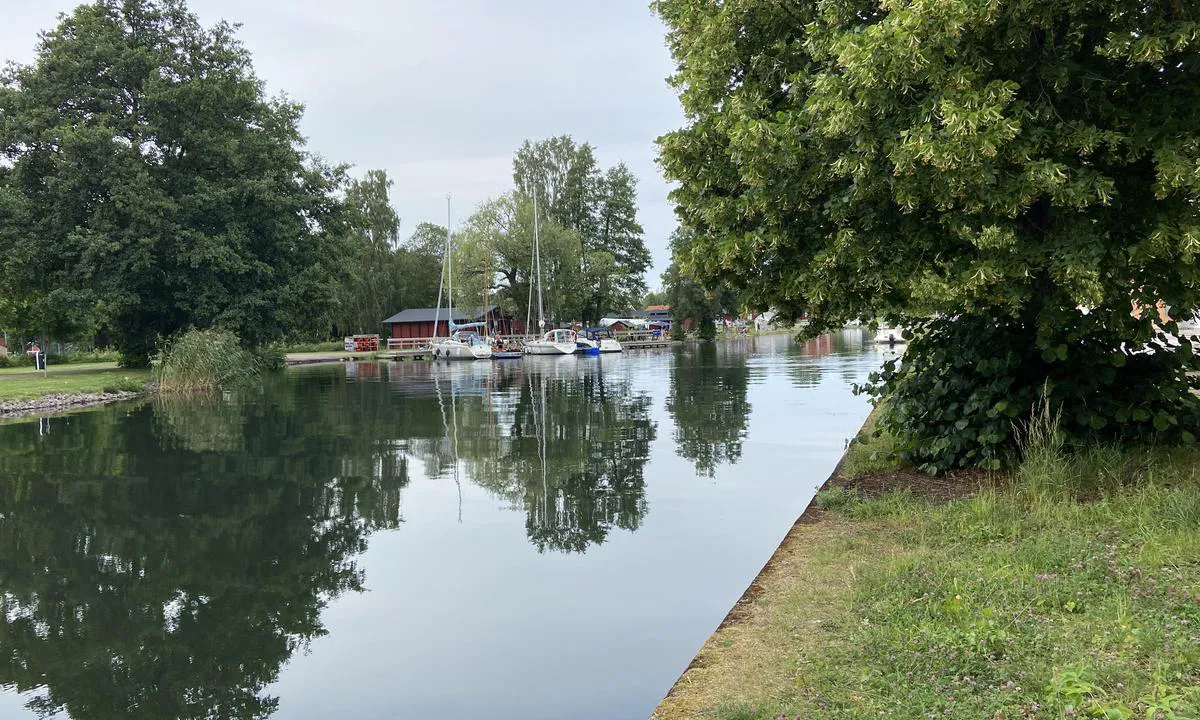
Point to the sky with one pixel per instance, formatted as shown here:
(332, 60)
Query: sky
(441, 92)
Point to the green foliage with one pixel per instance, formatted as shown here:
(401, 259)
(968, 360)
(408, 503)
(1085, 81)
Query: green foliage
(600, 208)
(371, 274)
(835, 497)
(379, 274)
(967, 383)
(1006, 161)
(205, 360)
(12, 361)
(655, 297)
(148, 184)
(315, 347)
(125, 384)
(691, 302)
(869, 452)
(499, 235)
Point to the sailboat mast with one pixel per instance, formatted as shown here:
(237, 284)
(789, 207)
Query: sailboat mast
(537, 254)
(449, 273)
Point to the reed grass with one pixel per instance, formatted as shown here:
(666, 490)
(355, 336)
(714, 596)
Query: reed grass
(204, 360)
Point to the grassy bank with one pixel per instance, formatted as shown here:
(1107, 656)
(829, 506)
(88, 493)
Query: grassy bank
(18, 385)
(1068, 589)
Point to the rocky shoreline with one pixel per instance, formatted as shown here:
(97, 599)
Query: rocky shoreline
(61, 402)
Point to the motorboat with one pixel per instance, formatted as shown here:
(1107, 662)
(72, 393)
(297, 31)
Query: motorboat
(554, 342)
(603, 339)
(586, 346)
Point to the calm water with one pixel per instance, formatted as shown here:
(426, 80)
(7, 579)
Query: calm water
(541, 538)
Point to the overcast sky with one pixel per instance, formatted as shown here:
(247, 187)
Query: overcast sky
(441, 92)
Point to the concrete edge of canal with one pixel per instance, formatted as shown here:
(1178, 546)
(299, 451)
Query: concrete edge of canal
(678, 702)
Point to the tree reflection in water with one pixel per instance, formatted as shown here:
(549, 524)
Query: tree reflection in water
(164, 559)
(707, 401)
(155, 563)
(566, 446)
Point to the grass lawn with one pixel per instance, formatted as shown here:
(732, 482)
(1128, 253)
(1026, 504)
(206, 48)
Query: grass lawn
(19, 385)
(54, 369)
(1068, 589)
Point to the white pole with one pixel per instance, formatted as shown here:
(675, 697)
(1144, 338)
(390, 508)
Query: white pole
(537, 253)
(449, 271)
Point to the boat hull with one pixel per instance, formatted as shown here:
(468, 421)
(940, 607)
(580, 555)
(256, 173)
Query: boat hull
(454, 350)
(539, 347)
(609, 345)
(890, 337)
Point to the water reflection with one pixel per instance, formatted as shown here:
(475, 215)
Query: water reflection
(565, 444)
(164, 561)
(707, 401)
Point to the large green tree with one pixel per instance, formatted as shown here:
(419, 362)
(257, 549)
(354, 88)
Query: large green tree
(496, 245)
(149, 184)
(978, 171)
(381, 274)
(600, 207)
(371, 274)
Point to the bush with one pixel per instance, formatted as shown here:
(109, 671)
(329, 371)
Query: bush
(966, 382)
(204, 360)
(323, 346)
(13, 361)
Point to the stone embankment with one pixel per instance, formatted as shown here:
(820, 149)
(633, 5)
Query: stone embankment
(63, 402)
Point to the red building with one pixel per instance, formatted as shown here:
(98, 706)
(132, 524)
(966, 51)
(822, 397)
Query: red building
(419, 322)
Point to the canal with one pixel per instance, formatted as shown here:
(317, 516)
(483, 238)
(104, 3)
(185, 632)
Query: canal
(538, 538)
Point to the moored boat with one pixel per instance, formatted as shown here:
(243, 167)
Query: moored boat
(462, 345)
(890, 336)
(603, 339)
(554, 342)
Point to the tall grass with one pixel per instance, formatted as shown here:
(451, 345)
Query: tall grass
(204, 360)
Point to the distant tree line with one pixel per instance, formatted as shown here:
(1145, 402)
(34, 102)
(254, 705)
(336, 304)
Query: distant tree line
(148, 184)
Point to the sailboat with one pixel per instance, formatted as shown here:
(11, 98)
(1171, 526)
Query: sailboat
(554, 342)
(463, 343)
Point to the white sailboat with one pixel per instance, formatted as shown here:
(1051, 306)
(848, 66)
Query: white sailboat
(463, 343)
(554, 342)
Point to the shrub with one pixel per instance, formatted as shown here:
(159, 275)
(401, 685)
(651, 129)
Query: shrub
(12, 361)
(966, 381)
(204, 360)
(323, 346)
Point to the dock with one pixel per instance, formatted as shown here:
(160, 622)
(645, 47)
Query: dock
(406, 349)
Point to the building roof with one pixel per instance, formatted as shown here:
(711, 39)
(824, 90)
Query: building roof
(470, 314)
(658, 308)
